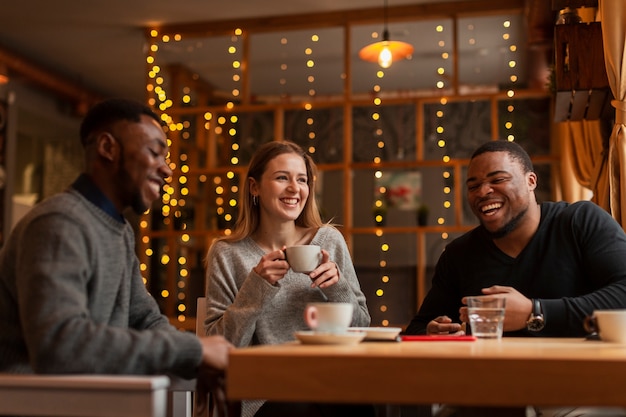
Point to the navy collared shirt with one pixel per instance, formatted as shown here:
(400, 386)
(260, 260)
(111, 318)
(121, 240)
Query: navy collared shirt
(91, 192)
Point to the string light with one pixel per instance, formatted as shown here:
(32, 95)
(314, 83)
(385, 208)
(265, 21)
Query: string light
(228, 127)
(440, 128)
(310, 121)
(379, 209)
(512, 69)
(173, 199)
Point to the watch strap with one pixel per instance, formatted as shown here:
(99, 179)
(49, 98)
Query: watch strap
(536, 307)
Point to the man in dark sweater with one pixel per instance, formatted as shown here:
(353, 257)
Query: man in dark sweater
(72, 299)
(570, 258)
(555, 263)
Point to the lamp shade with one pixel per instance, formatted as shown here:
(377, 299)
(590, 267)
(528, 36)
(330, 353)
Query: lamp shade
(397, 51)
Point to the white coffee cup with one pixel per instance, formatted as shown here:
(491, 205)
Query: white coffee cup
(303, 258)
(328, 317)
(609, 324)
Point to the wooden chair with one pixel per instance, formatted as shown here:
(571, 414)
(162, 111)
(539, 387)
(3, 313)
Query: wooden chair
(200, 316)
(181, 394)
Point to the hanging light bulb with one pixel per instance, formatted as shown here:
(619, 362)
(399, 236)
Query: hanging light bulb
(385, 57)
(386, 52)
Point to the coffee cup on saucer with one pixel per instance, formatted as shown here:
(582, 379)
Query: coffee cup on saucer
(328, 317)
(610, 325)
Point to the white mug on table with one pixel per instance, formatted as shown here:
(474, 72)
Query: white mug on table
(329, 317)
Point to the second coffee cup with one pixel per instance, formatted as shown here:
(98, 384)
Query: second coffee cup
(328, 317)
(609, 324)
(303, 258)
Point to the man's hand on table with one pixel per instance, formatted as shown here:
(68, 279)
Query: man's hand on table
(444, 325)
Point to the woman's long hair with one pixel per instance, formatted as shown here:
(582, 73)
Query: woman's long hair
(250, 214)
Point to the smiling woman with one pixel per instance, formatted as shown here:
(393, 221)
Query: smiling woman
(254, 293)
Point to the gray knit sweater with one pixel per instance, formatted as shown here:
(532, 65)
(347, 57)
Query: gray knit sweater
(72, 299)
(248, 310)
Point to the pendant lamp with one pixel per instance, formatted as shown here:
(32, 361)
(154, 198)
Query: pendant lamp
(386, 52)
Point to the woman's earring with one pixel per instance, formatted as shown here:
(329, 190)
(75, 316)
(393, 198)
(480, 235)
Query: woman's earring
(255, 200)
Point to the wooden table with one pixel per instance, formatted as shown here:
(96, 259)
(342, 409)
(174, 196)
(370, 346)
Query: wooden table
(83, 395)
(510, 372)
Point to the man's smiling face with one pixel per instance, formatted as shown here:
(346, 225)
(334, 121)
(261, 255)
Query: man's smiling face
(499, 191)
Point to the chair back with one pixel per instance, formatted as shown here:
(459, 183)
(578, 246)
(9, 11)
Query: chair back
(200, 316)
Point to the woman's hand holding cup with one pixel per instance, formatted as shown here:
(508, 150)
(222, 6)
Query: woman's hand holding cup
(273, 266)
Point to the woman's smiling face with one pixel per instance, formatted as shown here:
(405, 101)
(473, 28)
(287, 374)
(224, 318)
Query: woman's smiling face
(283, 189)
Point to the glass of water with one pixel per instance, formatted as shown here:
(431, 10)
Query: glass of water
(486, 316)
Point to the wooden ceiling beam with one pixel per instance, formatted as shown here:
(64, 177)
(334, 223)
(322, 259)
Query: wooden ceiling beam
(342, 18)
(18, 66)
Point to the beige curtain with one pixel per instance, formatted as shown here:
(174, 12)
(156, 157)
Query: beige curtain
(612, 14)
(580, 146)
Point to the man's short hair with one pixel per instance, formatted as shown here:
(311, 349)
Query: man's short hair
(104, 114)
(514, 150)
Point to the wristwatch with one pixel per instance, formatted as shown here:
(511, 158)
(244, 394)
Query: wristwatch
(536, 321)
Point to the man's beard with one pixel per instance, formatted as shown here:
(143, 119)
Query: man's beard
(136, 204)
(508, 227)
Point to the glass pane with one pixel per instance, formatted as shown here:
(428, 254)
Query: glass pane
(320, 131)
(455, 129)
(404, 194)
(196, 71)
(189, 144)
(237, 136)
(438, 195)
(386, 132)
(367, 190)
(212, 202)
(527, 122)
(330, 196)
(277, 60)
(386, 267)
(492, 52)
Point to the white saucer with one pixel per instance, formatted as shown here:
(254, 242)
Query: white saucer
(378, 333)
(316, 338)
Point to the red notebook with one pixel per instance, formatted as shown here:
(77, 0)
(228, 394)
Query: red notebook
(437, 338)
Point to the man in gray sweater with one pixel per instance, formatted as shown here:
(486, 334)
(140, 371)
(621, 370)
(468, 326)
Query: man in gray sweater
(72, 299)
